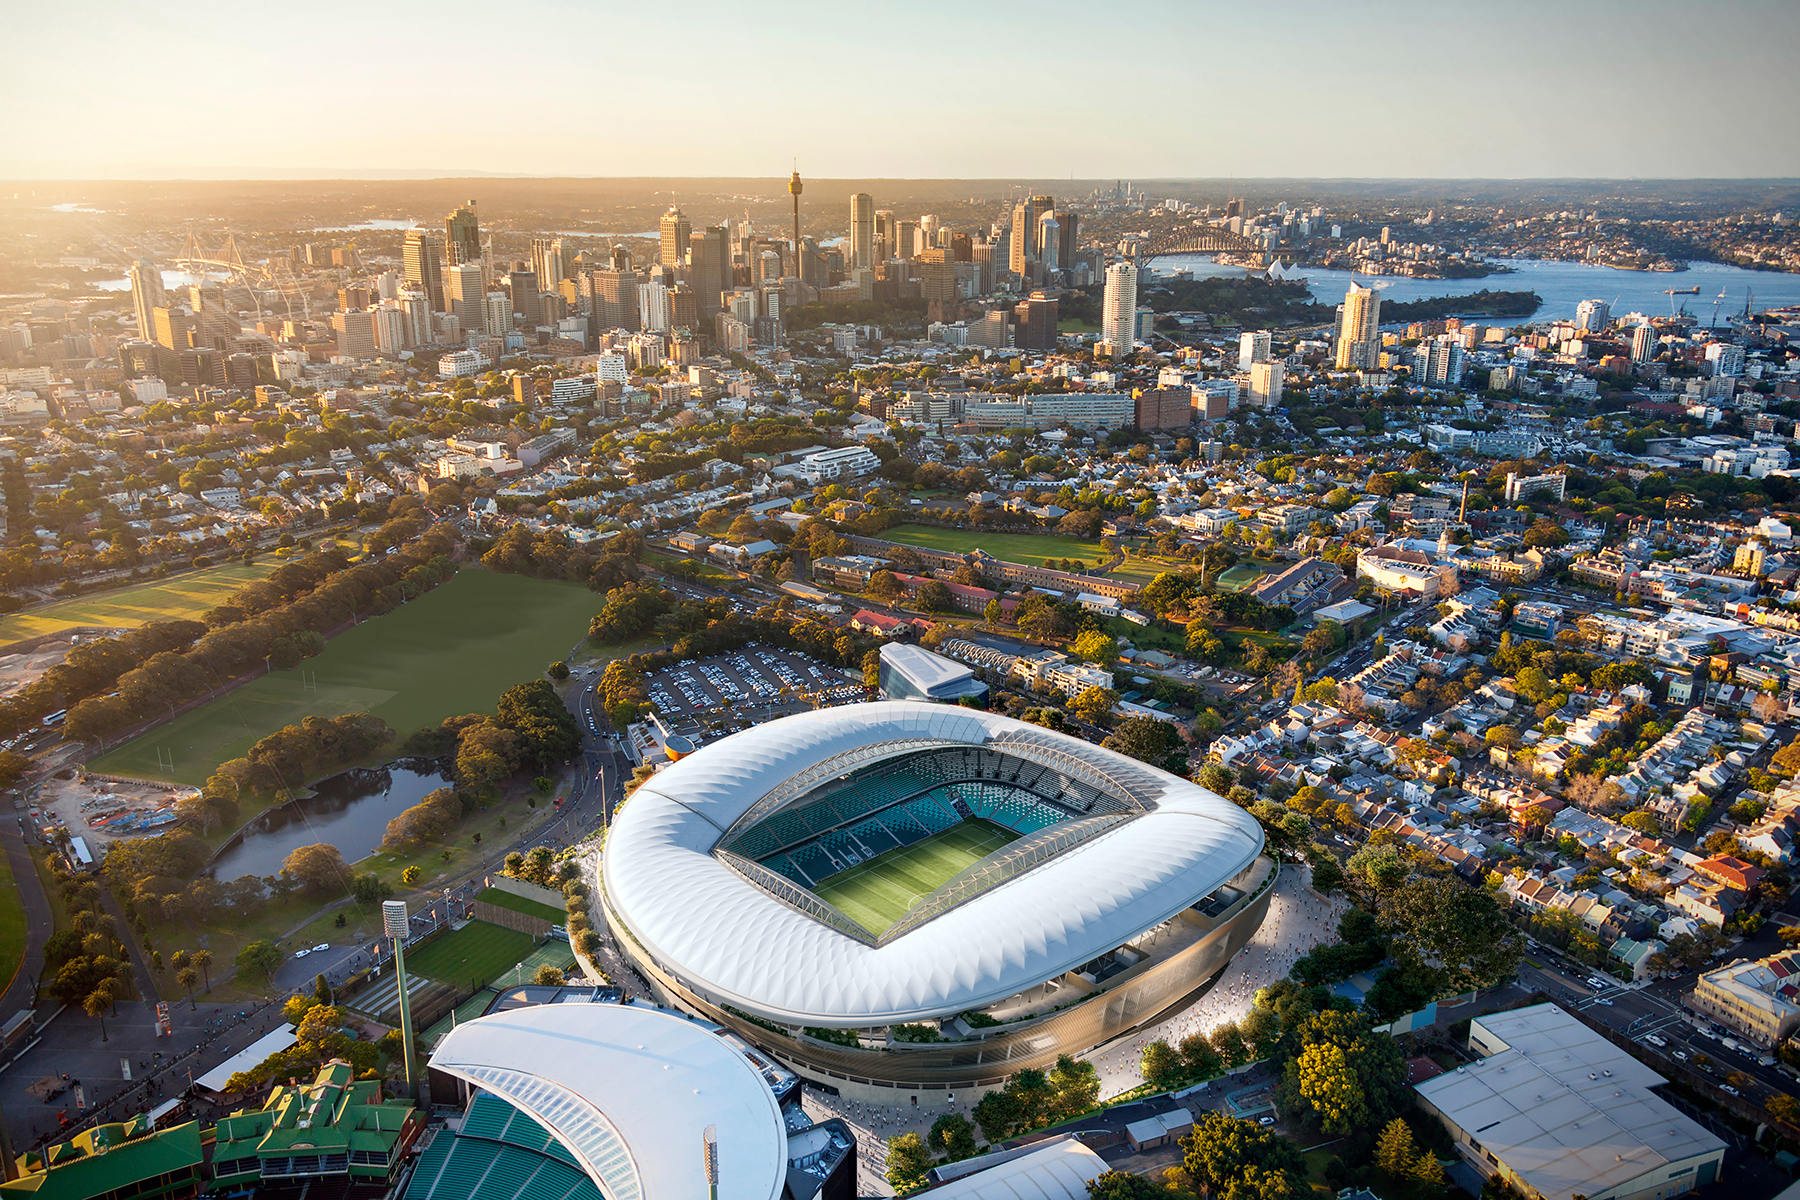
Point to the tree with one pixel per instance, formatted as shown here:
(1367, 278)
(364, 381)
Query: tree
(1394, 1152)
(994, 613)
(886, 586)
(1428, 1174)
(1094, 705)
(319, 868)
(201, 961)
(321, 988)
(1323, 1076)
(1119, 1185)
(410, 876)
(261, 955)
(1096, 647)
(1642, 822)
(953, 1135)
(1457, 932)
(187, 977)
(1222, 1151)
(935, 597)
(548, 976)
(1360, 1081)
(558, 670)
(1149, 740)
(908, 1161)
(1228, 1041)
(1161, 1066)
(370, 888)
(1074, 1086)
(96, 1004)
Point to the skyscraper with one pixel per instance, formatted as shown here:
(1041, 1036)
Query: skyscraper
(906, 239)
(146, 296)
(676, 230)
(522, 286)
(465, 296)
(424, 263)
(1644, 343)
(549, 262)
(1118, 308)
(884, 234)
(1049, 240)
(1359, 333)
(462, 235)
(862, 230)
(709, 267)
(653, 306)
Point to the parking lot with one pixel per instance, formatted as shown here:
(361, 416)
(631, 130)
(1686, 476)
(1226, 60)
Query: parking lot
(733, 691)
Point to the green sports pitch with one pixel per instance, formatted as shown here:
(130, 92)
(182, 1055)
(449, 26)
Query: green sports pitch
(477, 953)
(879, 892)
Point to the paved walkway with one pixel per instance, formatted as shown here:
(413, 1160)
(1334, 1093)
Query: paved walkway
(1299, 919)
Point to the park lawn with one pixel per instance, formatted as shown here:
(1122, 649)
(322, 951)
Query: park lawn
(472, 955)
(186, 595)
(1143, 570)
(1030, 549)
(662, 562)
(1147, 637)
(451, 651)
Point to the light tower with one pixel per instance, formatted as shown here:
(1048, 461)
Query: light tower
(794, 191)
(394, 925)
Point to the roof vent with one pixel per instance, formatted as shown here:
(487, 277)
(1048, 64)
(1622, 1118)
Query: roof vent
(1608, 1074)
(1591, 1075)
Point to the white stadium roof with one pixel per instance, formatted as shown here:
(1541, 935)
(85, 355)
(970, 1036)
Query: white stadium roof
(629, 1089)
(734, 943)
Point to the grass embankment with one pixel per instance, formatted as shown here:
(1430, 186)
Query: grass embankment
(12, 924)
(180, 596)
(521, 905)
(451, 651)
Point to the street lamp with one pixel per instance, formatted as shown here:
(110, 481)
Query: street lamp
(394, 924)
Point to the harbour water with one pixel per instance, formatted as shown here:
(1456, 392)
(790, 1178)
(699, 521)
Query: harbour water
(1561, 285)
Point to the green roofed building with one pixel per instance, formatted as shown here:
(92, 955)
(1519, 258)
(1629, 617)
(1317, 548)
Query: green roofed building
(335, 1126)
(124, 1161)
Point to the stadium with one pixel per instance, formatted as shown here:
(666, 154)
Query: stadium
(907, 898)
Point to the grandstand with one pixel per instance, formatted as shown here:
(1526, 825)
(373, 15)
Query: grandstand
(878, 811)
(500, 1153)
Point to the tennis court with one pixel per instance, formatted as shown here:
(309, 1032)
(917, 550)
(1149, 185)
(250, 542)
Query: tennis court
(877, 893)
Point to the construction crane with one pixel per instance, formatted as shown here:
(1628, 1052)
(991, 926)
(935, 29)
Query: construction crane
(1717, 301)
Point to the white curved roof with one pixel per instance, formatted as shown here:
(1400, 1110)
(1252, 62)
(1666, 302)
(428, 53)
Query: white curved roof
(630, 1090)
(736, 944)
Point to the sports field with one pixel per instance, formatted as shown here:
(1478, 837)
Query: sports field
(1240, 577)
(186, 595)
(877, 893)
(451, 651)
(472, 955)
(1030, 549)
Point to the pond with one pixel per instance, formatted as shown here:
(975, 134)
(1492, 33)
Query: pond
(349, 810)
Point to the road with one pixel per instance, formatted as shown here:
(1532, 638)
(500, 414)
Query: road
(1642, 1011)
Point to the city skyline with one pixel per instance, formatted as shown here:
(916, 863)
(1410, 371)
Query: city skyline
(1249, 98)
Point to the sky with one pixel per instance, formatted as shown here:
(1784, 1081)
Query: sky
(121, 89)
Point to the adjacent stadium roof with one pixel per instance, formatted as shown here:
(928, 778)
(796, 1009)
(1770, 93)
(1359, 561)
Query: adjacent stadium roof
(734, 942)
(629, 1089)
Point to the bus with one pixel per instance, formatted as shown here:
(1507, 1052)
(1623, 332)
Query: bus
(52, 720)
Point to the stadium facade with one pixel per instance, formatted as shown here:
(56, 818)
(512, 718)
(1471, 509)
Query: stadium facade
(905, 898)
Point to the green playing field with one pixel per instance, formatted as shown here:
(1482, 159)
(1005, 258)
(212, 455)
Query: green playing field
(879, 892)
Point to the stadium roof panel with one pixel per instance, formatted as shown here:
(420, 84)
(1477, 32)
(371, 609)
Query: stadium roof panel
(733, 943)
(628, 1090)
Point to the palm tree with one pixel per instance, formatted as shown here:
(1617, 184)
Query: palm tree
(201, 960)
(187, 977)
(96, 1004)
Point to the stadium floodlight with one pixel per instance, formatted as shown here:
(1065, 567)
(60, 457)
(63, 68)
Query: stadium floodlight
(394, 924)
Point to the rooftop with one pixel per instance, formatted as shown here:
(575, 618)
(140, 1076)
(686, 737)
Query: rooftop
(1561, 1106)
